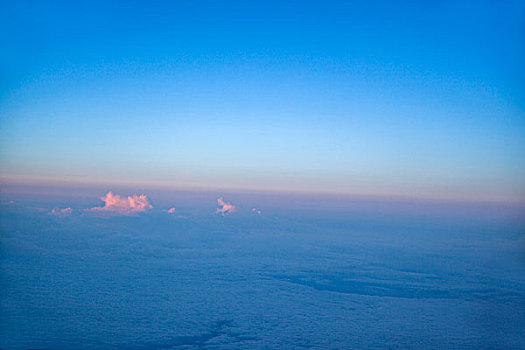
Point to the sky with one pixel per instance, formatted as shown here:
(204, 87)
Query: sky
(418, 99)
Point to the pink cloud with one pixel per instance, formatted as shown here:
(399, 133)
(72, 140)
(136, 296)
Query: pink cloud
(61, 212)
(256, 211)
(124, 205)
(224, 208)
(171, 210)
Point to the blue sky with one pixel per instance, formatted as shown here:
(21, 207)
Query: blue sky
(406, 98)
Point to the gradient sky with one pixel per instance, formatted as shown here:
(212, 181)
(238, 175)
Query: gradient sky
(407, 98)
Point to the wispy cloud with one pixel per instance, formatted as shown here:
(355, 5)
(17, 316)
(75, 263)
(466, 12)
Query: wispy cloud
(256, 211)
(61, 212)
(124, 205)
(224, 208)
(171, 210)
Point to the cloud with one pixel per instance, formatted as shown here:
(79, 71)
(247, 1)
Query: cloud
(175, 213)
(124, 205)
(224, 208)
(61, 212)
(256, 211)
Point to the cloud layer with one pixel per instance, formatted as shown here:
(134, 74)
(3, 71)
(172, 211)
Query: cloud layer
(224, 208)
(124, 205)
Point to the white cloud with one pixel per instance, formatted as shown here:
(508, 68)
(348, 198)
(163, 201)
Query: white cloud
(124, 205)
(61, 212)
(224, 208)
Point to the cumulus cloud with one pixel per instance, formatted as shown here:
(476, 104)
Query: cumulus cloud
(124, 205)
(224, 208)
(174, 213)
(61, 212)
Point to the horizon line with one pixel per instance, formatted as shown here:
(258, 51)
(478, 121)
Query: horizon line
(79, 182)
